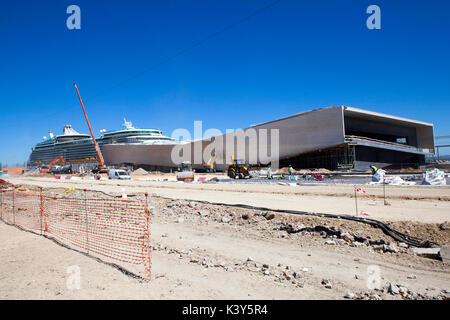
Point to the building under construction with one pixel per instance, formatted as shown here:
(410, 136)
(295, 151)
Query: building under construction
(334, 138)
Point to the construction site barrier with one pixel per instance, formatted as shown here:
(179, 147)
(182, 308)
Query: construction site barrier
(118, 230)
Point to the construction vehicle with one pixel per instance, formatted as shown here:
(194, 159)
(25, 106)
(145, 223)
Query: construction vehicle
(238, 169)
(209, 166)
(62, 169)
(119, 174)
(47, 169)
(186, 172)
(100, 168)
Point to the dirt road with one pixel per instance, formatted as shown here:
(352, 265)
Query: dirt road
(414, 203)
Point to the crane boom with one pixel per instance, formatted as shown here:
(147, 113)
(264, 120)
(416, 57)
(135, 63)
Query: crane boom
(101, 162)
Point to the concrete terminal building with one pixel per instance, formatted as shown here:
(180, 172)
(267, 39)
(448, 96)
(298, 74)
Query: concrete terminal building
(334, 138)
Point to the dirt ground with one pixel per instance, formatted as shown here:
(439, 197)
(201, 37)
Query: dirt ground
(203, 251)
(429, 204)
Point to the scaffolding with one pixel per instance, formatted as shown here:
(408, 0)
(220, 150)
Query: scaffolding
(338, 158)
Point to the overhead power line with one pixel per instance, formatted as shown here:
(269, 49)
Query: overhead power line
(181, 52)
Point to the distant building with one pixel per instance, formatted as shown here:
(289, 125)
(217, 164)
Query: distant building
(334, 138)
(13, 171)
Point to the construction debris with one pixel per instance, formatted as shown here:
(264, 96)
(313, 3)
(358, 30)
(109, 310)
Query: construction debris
(5, 185)
(326, 283)
(380, 177)
(434, 177)
(427, 252)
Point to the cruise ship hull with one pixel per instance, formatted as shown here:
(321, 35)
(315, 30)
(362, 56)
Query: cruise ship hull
(151, 156)
(79, 155)
(78, 149)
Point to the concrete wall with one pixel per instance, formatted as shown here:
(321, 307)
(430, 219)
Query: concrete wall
(308, 131)
(425, 138)
(158, 155)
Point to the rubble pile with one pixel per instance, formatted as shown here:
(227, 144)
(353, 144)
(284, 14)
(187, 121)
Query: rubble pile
(392, 290)
(5, 185)
(434, 177)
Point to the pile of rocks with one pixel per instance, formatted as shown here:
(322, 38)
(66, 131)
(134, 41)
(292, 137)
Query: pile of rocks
(265, 214)
(397, 290)
(405, 293)
(368, 295)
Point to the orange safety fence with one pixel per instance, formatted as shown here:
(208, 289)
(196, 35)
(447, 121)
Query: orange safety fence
(118, 230)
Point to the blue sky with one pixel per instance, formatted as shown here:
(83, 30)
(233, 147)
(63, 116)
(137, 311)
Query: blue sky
(292, 57)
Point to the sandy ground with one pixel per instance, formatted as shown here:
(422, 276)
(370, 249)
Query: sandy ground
(34, 267)
(200, 257)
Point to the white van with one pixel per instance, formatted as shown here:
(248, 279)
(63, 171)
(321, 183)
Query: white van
(118, 174)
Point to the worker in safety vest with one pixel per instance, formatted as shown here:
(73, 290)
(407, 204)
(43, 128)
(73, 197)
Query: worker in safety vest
(290, 170)
(269, 173)
(374, 169)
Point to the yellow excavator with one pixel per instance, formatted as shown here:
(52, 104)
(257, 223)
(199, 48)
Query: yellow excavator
(238, 169)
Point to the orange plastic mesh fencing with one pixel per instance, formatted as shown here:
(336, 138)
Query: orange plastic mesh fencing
(27, 213)
(7, 207)
(116, 229)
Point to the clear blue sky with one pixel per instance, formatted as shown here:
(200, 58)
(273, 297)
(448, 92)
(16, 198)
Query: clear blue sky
(295, 56)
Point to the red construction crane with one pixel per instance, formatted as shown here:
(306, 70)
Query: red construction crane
(101, 168)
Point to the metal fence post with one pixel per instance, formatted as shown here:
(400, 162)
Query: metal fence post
(87, 222)
(356, 202)
(1, 205)
(13, 206)
(147, 238)
(42, 208)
